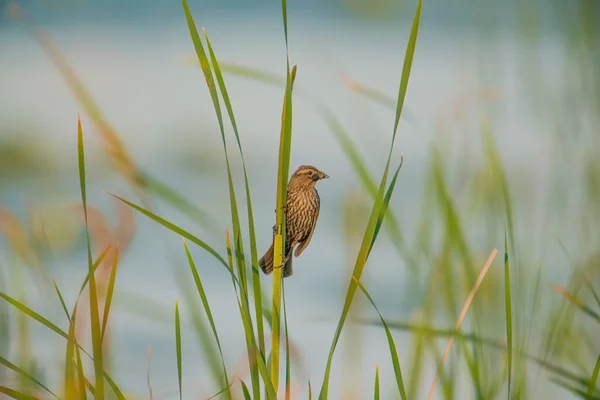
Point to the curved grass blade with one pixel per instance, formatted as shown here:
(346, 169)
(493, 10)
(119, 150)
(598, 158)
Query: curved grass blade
(94, 317)
(576, 302)
(82, 379)
(254, 255)
(202, 293)
(110, 290)
(94, 267)
(376, 390)
(201, 326)
(32, 314)
(17, 395)
(377, 206)
(178, 345)
(392, 345)
(62, 301)
(508, 308)
(386, 203)
(180, 232)
(245, 391)
(114, 387)
(377, 97)
(228, 388)
(25, 375)
(254, 74)
(360, 168)
(593, 379)
(180, 202)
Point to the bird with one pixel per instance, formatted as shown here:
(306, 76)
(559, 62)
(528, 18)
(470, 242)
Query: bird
(301, 214)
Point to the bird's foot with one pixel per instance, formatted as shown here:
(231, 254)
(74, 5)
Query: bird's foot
(283, 208)
(283, 263)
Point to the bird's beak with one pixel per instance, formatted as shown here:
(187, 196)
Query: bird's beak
(323, 175)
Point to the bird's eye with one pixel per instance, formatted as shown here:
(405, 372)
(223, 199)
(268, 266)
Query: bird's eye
(309, 173)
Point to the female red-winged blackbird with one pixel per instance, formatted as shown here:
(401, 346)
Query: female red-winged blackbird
(302, 211)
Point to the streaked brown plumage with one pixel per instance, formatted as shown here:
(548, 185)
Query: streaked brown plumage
(301, 210)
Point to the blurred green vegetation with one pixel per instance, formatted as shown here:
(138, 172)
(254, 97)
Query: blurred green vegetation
(470, 205)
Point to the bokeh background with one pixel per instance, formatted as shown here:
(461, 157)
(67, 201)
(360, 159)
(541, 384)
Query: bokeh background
(516, 79)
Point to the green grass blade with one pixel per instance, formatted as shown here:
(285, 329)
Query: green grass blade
(32, 314)
(378, 203)
(17, 395)
(81, 378)
(356, 274)
(178, 345)
(593, 379)
(180, 202)
(360, 168)
(25, 375)
(62, 301)
(245, 391)
(574, 300)
(254, 254)
(406, 68)
(204, 299)
(70, 387)
(386, 203)
(114, 387)
(255, 74)
(285, 142)
(180, 232)
(94, 317)
(110, 291)
(228, 389)
(201, 325)
(508, 308)
(390, 338)
(287, 348)
(376, 390)
(94, 268)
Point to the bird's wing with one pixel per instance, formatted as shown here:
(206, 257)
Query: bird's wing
(306, 241)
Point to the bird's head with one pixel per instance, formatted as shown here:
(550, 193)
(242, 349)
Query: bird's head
(307, 176)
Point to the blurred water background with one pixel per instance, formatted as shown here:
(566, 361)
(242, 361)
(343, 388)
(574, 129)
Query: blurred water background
(525, 72)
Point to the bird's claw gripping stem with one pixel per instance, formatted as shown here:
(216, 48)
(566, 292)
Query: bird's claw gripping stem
(284, 261)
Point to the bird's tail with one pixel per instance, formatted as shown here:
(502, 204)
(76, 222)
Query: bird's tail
(287, 268)
(266, 261)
